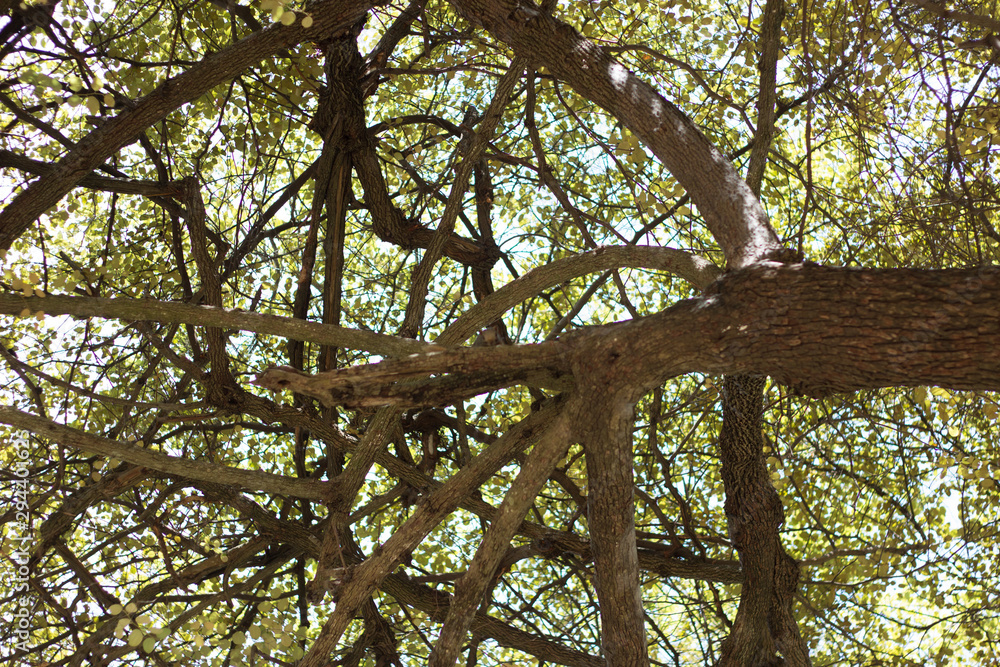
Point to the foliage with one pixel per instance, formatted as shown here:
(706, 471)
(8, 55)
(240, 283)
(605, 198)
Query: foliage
(884, 155)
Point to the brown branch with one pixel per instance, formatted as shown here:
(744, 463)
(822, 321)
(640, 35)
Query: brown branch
(907, 327)
(692, 268)
(329, 16)
(435, 604)
(485, 566)
(732, 213)
(148, 310)
(764, 624)
(93, 182)
(468, 152)
(605, 428)
(429, 513)
(458, 373)
(170, 465)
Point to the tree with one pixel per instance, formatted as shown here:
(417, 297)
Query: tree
(581, 333)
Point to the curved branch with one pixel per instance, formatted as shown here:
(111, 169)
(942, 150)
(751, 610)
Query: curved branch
(692, 268)
(731, 211)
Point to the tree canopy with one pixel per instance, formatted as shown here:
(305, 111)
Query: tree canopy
(587, 332)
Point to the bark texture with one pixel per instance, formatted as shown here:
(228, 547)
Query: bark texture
(822, 330)
(816, 329)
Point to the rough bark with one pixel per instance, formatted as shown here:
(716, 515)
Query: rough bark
(823, 330)
(764, 624)
(817, 329)
(607, 438)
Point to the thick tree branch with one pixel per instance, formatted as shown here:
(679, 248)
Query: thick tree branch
(817, 329)
(170, 465)
(754, 514)
(606, 431)
(486, 563)
(457, 374)
(764, 623)
(329, 16)
(148, 310)
(731, 211)
(824, 330)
